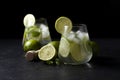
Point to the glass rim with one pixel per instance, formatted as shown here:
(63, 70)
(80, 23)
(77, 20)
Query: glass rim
(81, 27)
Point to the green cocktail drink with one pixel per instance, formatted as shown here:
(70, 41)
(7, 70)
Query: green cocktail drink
(36, 34)
(74, 48)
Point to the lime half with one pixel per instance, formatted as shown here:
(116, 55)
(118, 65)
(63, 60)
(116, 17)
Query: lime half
(31, 44)
(29, 20)
(48, 51)
(63, 25)
(64, 47)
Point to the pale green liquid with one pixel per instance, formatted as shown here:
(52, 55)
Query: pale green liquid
(85, 53)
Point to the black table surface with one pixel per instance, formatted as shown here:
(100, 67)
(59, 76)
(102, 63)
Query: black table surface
(13, 65)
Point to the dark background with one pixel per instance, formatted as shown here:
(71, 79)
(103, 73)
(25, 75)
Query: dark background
(101, 17)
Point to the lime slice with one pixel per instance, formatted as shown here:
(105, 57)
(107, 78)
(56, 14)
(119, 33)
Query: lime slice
(81, 52)
(86, 45)
(34, 31)
(64, 47)
(63, 25)
(48, 51)
(75, 50)
(31, 44)
(29, 20)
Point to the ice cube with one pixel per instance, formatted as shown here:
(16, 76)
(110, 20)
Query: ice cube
(45, 31)
(45, 34)
(81, 35)
(71, 36)
(76, 40)
(43, 27)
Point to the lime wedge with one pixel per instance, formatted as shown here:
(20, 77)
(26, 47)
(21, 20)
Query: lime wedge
(64, 47)
(85, 41)
(34, 31)
(95, 47)
(48, 51)
(75, 50)
(29, 20)
(63, 25)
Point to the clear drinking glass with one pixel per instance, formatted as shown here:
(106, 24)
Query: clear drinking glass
(39, 31)
(74, 48)
(45, 32)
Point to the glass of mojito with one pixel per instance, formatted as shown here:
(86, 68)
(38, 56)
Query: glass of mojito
(73, 47)
(36, 33)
